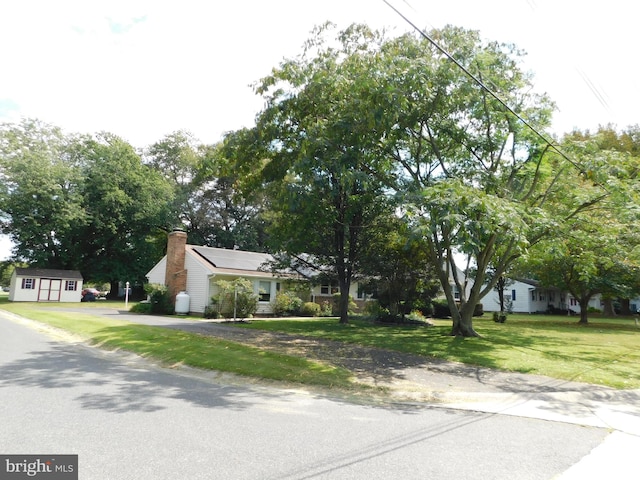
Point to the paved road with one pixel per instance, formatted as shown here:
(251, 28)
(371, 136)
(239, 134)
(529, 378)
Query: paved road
(127, 419)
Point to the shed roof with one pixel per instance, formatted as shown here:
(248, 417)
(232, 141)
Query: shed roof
(48, 273)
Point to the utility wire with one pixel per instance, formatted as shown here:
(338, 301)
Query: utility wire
(484, 87)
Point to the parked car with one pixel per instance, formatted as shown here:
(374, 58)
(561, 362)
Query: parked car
(90, 294)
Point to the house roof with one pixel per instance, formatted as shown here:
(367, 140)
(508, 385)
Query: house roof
(48, 273)
(233, 259)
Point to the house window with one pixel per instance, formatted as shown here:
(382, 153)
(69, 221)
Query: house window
(552, 297)
(533, 295)
(328, 289)
(70, 285)
(264, 291)
(360, 291)
(29, 283)
(541, 296)
(456, 292)
(573, 302)
(513, 294)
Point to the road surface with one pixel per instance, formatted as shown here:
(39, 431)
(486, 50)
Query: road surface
(128, 419)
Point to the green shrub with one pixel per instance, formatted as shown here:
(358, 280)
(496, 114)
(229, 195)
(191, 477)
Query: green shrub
(310, 309)
(499, 318)
(235, 298)
(441, 309)
(142, 307)
(335, 308)
(326, 309)
(159, 299)
(416, 316)
(211, 311)
(287, 303)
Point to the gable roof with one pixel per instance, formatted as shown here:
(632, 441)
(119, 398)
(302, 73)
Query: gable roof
(232, 259)
(48, 273)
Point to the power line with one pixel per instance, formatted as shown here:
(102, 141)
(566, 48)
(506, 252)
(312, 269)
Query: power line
(483, 86)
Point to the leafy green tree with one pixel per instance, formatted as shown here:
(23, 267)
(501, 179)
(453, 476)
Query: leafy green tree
(235, 298)
(125, 202)
(207, 202)
(397, 270)
(585, 261)
(471, 177)
(40, 195)
(315, 158)
(595, 250)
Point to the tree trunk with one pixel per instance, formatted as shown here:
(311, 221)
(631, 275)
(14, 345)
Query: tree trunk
(608, 310)
(113, 290)
(463, 322)
(344, 308)
(625, 307)
(343, 303)
(500, 287)
(584, 310)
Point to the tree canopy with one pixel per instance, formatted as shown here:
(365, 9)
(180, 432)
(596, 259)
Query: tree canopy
(360, 116)
(80, 202)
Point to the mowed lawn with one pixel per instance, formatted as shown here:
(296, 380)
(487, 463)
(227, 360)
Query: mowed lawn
(174, 348)
(605, 352)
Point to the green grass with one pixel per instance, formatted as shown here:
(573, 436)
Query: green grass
(172, 348)
(605, 352)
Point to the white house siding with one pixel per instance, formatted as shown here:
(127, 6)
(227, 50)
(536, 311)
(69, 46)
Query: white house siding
(521, 304)
(157, 273)
(198, 287)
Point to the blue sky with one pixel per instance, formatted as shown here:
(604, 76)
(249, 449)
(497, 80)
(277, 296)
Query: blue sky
(143, 69)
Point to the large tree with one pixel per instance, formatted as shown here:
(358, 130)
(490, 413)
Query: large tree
(125, 202)
(359, 111)
(316, 158)
(207, 202)
(40, 195)
(471, 176)
(80, 202)
(595, 249)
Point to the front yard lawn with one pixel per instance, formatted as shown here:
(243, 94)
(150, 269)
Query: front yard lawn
(605, 352)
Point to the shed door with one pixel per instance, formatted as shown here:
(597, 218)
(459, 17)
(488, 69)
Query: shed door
(49, 290)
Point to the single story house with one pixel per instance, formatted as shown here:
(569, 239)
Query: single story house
(195, 270)
(45, 285)
(525, 296)
(528, 296)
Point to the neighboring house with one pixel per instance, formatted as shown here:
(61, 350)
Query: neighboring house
(526, 296)
(45, 285)
(195, 270)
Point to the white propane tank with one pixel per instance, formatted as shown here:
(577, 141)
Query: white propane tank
(182, 303)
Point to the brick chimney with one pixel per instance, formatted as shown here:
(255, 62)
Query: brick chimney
(175, 274)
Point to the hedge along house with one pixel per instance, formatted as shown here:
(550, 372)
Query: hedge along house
(195, 270)
(45, 285)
